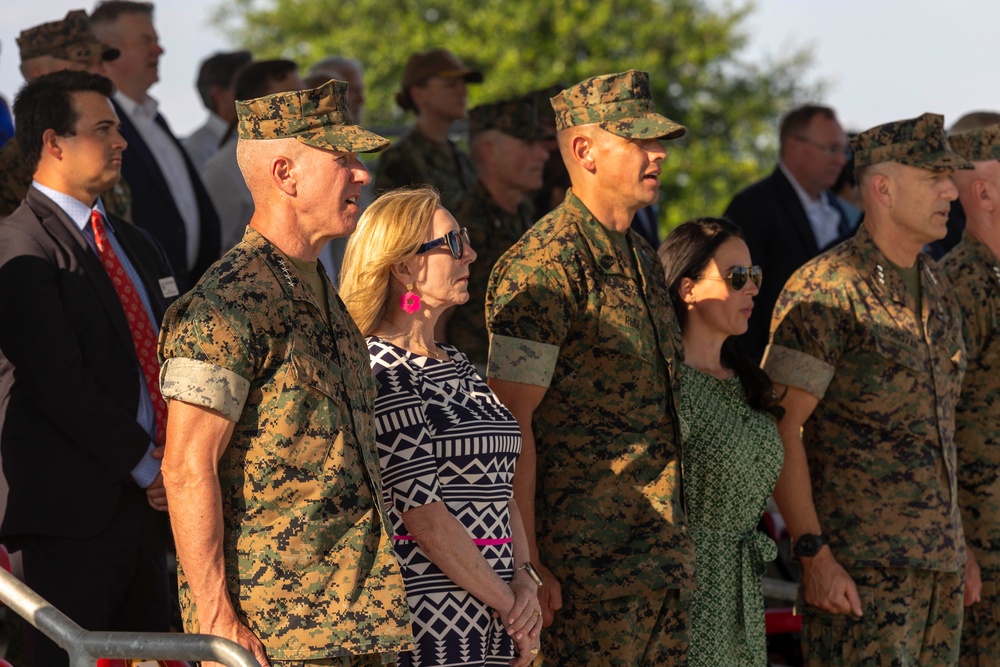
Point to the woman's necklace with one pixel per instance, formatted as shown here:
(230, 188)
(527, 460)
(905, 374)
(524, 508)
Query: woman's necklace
(408, 338)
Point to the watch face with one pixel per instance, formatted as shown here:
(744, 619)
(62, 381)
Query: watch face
(809, 545)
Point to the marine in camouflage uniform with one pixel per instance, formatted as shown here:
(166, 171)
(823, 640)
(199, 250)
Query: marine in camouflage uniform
(416, 159)
(873, 357)
(426, 155)
(580, 321)
(266, 345)
(65, 44)
(509, 159)
(973, 268)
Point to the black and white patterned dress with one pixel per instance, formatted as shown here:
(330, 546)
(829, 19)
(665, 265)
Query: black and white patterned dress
(444, 436)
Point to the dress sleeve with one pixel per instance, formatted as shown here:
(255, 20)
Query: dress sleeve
(406, 451)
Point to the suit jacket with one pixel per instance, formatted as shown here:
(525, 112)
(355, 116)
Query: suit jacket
(780, 239)
(69, 376)
(153, 206)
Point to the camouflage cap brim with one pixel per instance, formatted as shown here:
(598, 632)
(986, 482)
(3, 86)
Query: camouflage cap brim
(346, 139)
(982, 145)
(647, 126)
(315, 116)
(917, 142)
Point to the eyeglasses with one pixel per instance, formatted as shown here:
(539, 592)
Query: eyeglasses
(738, 275)
(831, 150)
(456, 240)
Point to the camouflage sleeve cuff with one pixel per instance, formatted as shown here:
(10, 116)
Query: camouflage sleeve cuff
(797, 369)
(519, 360)
(205, 384)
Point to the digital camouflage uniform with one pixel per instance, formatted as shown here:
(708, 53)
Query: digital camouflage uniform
(585, 313)
(415, 159)
(492, 230)
(68, 39)
(881, 440)
(308, 558)
(974, 273)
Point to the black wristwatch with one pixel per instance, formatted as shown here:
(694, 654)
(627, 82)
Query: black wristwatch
(808, 545)
(532, 572)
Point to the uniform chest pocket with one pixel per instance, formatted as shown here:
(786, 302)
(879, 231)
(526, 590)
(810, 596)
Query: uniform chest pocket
(307, 414)
(901, 348)
(623, 323)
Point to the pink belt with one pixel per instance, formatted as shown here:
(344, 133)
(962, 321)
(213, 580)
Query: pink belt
(479, 542)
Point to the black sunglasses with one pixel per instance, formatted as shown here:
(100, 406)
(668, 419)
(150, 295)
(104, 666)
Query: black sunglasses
(738, 275)
(456, 240)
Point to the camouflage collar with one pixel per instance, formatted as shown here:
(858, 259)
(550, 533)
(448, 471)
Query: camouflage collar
(885, 279)
(284, 271)
(602, 247)
(983, 255)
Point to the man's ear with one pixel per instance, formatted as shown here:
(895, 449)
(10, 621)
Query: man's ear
(283, 175)
(581, 148)
(985, 195)
(881, 189)
(52, 144)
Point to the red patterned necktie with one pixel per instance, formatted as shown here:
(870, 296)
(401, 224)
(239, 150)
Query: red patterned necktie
(143, 334)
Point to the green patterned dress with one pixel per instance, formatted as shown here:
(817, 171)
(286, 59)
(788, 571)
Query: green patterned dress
(732, 455)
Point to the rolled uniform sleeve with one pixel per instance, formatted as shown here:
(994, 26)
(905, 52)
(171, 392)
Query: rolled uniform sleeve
(203, 361)
(529, 317)
(807, 337)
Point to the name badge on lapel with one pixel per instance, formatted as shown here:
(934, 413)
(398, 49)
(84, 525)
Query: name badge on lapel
(168, 287)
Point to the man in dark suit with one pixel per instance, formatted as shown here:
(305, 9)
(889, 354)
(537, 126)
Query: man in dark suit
(790, 216)
(169, 199)
(83, 422)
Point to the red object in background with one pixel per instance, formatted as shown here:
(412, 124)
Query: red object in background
(781, 621)
(4, 663)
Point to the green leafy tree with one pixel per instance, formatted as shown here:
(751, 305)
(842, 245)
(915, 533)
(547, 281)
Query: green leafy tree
(693, 53)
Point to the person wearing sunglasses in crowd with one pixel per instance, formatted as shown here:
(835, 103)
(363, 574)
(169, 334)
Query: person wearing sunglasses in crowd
(447, 445)
(731, 451)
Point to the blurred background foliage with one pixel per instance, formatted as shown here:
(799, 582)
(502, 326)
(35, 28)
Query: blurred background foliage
(692, 49)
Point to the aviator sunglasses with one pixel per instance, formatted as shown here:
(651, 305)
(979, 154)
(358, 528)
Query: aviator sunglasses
(738, 275)
(456, 241)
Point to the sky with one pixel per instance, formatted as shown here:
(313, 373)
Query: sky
(882, 60)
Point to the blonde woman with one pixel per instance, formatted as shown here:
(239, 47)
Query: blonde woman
(447, 445)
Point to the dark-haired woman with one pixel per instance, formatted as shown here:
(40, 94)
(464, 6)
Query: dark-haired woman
(732, 453)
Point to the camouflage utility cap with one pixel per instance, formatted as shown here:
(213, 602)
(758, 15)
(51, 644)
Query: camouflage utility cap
(68, 39)
(517, 117)
(619, 103)
(918, 142)
(438, 62)
(316, 117)
(980, 145)
(541, 98)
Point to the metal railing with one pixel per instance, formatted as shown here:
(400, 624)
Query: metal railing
(776, 589)
(85, 647)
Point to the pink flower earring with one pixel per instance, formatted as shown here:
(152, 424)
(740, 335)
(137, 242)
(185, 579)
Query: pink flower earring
(409, 302)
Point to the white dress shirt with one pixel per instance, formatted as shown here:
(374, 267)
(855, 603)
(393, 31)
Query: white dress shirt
(170, 158)
(823, 217)
(204, 142)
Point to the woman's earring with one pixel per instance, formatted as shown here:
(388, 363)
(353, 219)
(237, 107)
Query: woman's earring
(409, 302)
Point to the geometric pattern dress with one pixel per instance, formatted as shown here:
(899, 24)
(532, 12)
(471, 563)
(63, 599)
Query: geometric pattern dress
(444, 436)
(732, 455)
